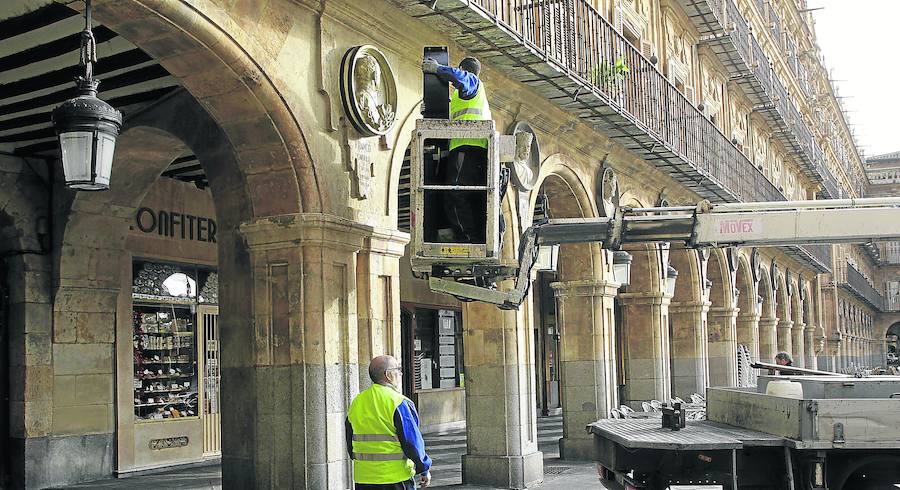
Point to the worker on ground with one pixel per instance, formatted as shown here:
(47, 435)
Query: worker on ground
(383, 437)
(468, 158)
(783, 359)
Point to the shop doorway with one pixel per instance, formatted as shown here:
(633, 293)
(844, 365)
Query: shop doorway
(546, 339)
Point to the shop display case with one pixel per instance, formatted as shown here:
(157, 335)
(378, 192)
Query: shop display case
(165, 362)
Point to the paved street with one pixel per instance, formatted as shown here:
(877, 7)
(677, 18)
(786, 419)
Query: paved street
(446, 450)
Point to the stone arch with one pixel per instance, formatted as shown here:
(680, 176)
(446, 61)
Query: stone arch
(92, 251)
(721, 326)
(798, 350)
(584, 309)
(768, 342)
(687, 326)
(400, 152)
(748, 315)
(644, 330)
(783, 313)
(810, 329)
(238, 94)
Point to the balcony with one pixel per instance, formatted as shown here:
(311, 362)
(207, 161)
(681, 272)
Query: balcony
(889, 253)
(567, 52)
(858, 285)
(727, 33)
(816, 256)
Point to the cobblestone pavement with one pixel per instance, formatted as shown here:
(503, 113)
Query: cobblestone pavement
(445, 449)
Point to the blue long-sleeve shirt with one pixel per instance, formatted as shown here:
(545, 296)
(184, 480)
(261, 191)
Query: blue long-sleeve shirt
(465, 83)
(406, 422)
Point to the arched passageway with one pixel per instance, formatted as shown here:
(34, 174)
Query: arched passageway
(584, 298)
(747, 322)
(722, 317)
(783, 313)
(687, 326)
(798, 328)
(644, 332)
(768, 321)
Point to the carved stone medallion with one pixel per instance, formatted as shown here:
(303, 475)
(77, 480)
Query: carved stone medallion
(609, 192)
(368, 90)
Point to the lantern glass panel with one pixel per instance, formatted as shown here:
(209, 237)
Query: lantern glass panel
(106, 147)
(76, 149)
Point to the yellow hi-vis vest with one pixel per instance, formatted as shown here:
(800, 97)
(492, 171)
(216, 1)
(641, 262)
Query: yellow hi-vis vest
(377, 455)
(474, 109)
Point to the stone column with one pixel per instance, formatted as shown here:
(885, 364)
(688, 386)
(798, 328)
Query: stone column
(587, 361)
(645, 318)
(809, 340)
(690, 355)
(784, 336)
(288, 376)
(32, 447)
(748, 332)
(378, 298)
(768, 343)
(723, 346)
(501, 423)
(799, 353)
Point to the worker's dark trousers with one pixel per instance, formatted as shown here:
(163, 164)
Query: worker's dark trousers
(404, 485)
(467, 211)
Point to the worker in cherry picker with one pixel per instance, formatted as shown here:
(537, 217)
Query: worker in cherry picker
(467, 162)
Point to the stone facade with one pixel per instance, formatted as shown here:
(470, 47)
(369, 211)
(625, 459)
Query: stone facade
(310, 267)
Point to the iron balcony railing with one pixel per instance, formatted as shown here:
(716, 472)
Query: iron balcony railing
(566, 51)
(892, 303)
(727, 32)
(890, 253)
(581, 45)
(863, 289)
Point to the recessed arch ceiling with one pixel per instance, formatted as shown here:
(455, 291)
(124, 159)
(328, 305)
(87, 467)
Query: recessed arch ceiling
(39, 54)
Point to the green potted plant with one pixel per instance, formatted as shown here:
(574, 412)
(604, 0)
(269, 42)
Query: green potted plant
(607, 75)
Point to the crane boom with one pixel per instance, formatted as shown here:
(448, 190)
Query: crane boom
(706, 225)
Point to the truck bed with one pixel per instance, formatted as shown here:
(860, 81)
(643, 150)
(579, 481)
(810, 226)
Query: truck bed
(696, 436)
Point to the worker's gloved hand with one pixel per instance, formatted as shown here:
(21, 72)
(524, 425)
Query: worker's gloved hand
(425, 479)
(430, 66)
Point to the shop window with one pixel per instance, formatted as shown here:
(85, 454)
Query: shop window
(166, 338)
(437, 348)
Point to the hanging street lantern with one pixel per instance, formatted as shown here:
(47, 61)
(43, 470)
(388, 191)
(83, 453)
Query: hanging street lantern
(87, 127)
(671, 277)
(622, 267)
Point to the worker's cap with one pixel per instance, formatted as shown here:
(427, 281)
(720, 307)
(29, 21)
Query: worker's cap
(471, 65)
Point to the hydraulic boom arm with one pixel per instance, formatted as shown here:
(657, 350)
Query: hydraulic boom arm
(706, 225)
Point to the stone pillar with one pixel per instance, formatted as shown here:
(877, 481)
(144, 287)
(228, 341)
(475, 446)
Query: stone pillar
(378, 298)
(690, 355)
(31, 447)
(748, 332)
(809, 341)
(645, 318)
(785, 343)
(501, 423)
(723, 346)
(289, 375)
(587, 361)
(768, 343)
(799, 353)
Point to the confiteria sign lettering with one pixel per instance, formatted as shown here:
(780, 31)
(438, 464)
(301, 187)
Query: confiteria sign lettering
(172, 224)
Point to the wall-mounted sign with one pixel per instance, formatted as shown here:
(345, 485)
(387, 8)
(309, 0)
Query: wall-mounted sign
(168, 442)
(368, 90)
(176, 225)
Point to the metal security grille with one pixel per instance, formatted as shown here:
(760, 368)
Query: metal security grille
(210, 396)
